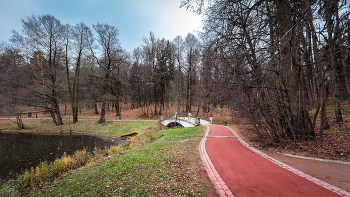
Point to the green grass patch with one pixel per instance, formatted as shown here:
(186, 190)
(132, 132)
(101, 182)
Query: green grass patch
(168, 166)
(336, 130)
(344, 107)
(85, 126)
(49, 121)
(118, 128)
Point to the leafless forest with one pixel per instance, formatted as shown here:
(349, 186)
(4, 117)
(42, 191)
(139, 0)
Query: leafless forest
(273, 62)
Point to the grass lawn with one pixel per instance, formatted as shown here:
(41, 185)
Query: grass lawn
(83, 126)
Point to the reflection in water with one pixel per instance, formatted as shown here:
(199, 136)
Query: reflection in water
(20, 151)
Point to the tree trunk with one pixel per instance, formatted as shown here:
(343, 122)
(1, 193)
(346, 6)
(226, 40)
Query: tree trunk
(75, 113)
(19, 121)
(155, 100)
(188, 96)
(103, 112)
(324, 122)
(117, 109)
(95, 106)
(339, 73)
(53, 116)
(337, 110)
(58, 114)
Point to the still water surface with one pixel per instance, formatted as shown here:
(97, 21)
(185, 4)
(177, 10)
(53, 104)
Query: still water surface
(20, 151)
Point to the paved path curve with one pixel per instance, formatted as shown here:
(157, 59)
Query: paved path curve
(239, 170)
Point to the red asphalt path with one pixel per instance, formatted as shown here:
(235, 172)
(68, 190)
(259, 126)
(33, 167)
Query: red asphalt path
(236, 170)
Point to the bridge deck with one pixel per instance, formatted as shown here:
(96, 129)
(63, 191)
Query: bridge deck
(184, 121)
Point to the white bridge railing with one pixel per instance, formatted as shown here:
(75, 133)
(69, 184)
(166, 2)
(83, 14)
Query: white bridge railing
(188, 119)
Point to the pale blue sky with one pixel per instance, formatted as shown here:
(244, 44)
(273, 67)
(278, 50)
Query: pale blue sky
(134, 18)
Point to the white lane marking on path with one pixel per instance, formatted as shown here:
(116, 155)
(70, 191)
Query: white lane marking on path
(317, 159)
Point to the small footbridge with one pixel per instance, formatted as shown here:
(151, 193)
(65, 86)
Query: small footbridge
(181, 121)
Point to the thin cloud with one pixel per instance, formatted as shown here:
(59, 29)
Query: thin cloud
(134, 18)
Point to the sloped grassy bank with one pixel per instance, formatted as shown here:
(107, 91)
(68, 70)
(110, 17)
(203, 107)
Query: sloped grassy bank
(169, 166)
(46, 172)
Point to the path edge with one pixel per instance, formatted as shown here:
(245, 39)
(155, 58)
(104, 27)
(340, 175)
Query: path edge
(213, 175)
(319, 182)
(317, 159)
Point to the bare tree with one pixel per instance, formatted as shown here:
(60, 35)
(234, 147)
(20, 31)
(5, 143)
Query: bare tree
(135, 79)
(178, 55)
(108, 55)
(14, 80)
(77, 42)
(150, 51)
(45, 33)
(192, 57)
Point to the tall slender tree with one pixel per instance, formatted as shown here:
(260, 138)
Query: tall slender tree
(77, 42)
(107, 55)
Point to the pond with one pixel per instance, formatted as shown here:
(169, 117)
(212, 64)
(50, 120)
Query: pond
(20, 151)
